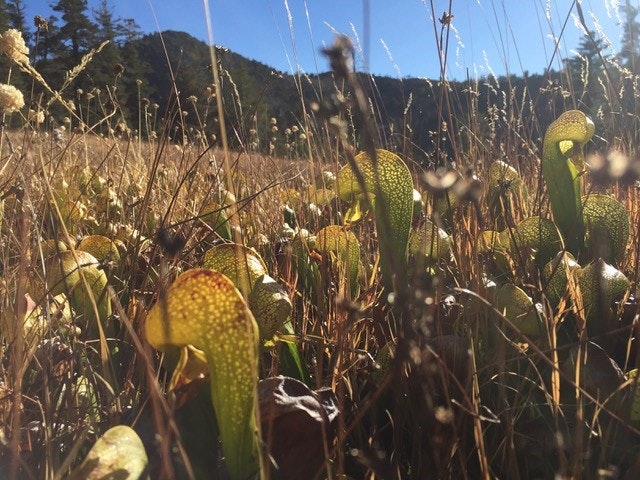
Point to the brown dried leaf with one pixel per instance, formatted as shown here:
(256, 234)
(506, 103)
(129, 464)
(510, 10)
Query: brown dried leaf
(293, 418)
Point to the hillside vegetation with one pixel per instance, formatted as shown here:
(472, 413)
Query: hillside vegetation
(133, 71)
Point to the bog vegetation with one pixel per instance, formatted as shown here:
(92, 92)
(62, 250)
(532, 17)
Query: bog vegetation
(212, 270)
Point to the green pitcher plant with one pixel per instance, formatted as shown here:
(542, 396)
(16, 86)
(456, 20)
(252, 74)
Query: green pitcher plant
(592, 218)
(562, 173)
(118, 453)
(203, 308)
(343, 245)
(592, 230)
(78, 275)
(388, 186)
(267, 299)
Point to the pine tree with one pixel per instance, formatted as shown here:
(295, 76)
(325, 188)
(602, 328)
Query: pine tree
(103, 16)
(50, 55)
(629, 54)
(136, 70)
(101, 68)
(629, 60)
(16, 12)
(587, 70)
(4, 16)
(46, 42)
(4, 24)
(129, 30)
(76, 31)
(119, 32)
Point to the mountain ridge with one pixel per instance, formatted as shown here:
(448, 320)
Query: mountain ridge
(406, 111)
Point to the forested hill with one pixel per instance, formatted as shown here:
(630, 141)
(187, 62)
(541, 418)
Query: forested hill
(254, 92)
(417, 113)
(249, 86)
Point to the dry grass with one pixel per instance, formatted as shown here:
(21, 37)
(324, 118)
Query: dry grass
(466, 396)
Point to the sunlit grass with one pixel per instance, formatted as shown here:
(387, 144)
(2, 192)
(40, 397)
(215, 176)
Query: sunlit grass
(460, 365)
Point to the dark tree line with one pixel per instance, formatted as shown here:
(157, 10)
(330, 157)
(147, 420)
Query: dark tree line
(59, 43)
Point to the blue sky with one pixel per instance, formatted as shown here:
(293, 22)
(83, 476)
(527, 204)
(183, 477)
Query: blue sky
(499, 36)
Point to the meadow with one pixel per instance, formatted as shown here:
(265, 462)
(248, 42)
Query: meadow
(318, 299)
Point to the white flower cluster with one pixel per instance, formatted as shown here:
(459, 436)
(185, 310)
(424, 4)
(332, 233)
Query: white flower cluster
(13, 46)
(11, 98)
(36, 116)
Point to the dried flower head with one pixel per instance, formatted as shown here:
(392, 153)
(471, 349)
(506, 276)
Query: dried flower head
(41, 23)
(13, 46)
(118, 69)
(446, 18)
(36, 116)
(11, 98)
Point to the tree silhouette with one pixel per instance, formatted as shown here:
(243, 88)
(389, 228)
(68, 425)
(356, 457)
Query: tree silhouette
(16, 11)
(630, 39)
(101, 68)
(4, 16)
(76, 32)
(629, 62)
(587, 71)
